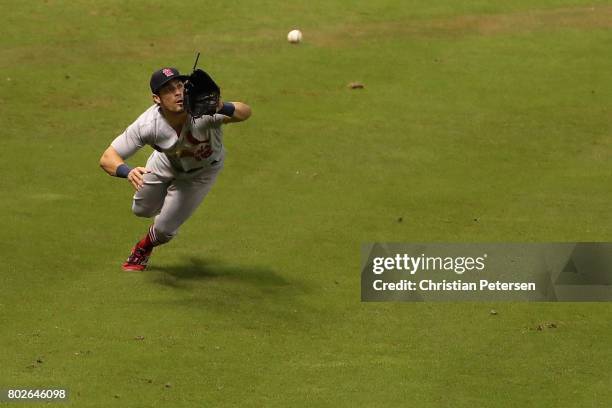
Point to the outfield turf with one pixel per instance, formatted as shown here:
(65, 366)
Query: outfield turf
(479, 122)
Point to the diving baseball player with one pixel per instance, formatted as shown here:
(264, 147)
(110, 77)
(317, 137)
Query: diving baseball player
(184, 126)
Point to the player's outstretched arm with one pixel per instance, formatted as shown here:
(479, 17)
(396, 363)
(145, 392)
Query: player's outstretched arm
(110, 163)
(110, 160)
(241, 112)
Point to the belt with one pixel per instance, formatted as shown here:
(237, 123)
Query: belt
(176, 164)
(212, 163)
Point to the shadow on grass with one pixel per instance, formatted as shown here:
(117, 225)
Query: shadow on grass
(241, 293)
(199, 269)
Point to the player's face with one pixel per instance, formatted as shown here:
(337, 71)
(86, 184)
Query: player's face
(170, 96)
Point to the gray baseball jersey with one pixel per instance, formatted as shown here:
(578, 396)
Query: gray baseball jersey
(199, 146)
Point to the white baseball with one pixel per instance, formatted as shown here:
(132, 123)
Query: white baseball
(294, 36)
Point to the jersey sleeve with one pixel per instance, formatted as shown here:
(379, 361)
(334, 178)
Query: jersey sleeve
(217, 120)
(208, 122)
(131, 140)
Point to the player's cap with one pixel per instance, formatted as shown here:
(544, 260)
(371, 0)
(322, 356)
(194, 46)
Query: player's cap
(162, 76)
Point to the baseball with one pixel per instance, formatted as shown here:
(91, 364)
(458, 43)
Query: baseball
(294, 36)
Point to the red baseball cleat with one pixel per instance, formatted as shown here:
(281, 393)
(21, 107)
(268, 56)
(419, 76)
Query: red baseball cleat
(137, 261)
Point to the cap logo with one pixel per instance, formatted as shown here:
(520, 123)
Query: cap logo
(167, 72)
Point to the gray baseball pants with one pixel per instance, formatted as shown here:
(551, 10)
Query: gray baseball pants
(172, 201)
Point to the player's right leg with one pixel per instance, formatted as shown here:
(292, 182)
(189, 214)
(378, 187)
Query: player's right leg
(139, 257)
(148, 202)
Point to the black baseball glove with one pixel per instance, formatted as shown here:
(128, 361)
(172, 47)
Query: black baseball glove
(201, 94)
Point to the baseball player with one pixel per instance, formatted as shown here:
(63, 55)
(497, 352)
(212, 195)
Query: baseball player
(184, 126)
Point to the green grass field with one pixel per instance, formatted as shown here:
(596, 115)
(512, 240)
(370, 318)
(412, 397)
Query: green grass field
(479, 122)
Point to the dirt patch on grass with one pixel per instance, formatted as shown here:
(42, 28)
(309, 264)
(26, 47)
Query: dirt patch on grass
(582, 18)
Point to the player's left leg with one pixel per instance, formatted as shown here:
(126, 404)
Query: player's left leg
(184, 196)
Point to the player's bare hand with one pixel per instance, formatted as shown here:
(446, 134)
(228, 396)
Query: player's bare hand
(136, 177)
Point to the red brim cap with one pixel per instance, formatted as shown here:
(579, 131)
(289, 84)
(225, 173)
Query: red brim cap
(163, 76)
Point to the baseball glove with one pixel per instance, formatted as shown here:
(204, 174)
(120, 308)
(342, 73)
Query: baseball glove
(201, 94)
